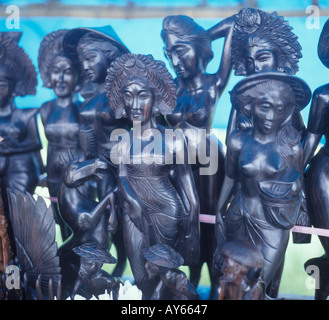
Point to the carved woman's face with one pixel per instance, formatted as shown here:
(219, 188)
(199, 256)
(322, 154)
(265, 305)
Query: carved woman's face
(63, 77)
(94, 63)
(261, 56)
(271, 109)
(182, 56)
(139, 100)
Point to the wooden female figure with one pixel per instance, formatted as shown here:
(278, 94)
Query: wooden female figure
(154, 210)
(264, 41)
(264, 168)
(60, 116)
(316, 176)
(96, 49)
(187, 46)
(20, 143)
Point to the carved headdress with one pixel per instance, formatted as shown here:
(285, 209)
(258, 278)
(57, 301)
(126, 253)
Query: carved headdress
(17, 65)
(259, 25)
(51, 47)
(135, 66)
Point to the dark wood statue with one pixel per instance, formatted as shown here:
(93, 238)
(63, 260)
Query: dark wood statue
(187, 46)
(87, 219)
(264, 166)
(316, 176)
(96, 49)
(264, 41)
(60, 116)
(20, 160)
(241, 272)
(154, 209)
(163, 262)
(92, 280)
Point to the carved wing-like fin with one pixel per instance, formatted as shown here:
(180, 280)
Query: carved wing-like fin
(34, 230)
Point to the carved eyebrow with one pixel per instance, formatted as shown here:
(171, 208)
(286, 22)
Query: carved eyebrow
(261, 51)
(177, 45)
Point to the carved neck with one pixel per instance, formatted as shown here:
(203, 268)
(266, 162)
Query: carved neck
(193, 84)
(64, 102)
(100, 87)
(264, 138)
(142, 128)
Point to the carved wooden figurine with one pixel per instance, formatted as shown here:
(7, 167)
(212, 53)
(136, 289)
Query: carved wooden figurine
(264, 170)
(241, 272)
(19, 138)
(87, 219)
(264, 41)
(92, 280)
(154, 211)
(163, 262)
(96, 49)
(187, 46)
(316, 176)
(60, 116)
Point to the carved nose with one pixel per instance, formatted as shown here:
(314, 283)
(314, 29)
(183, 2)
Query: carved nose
(257, 68)
(85, 65)
(270, 115)
(175, 60)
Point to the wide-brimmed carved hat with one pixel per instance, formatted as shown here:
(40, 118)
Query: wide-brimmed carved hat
(94, 252)
(72, 38)
(300, 88)
(323, 45)
(163, 255)
(243, 252)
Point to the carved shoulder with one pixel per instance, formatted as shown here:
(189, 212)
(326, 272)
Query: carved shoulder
(237, 139)
(45, 111)
(321, 95)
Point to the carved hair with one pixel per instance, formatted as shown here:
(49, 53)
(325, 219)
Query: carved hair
(254, 25)
(244, 101)
(18, 66)
(287, 136)
(140, 66)
(187, 29)
(51, 47)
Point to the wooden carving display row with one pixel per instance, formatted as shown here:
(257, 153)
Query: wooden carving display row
(133, 163)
